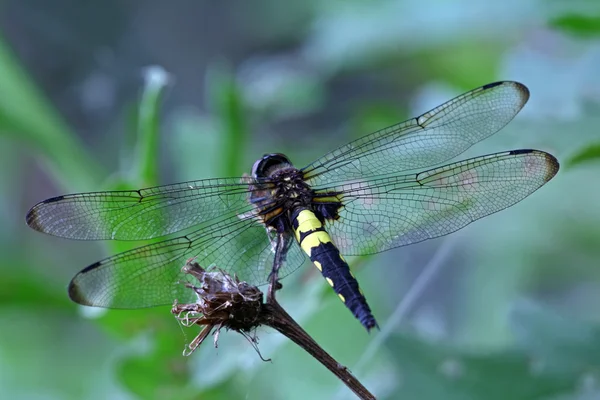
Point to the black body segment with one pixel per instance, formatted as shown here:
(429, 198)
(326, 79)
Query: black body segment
(337, 273)
(317, 244)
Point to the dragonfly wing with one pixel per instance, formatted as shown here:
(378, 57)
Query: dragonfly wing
(151, 275)
(430, 139)
(383, 213)
(138, 214)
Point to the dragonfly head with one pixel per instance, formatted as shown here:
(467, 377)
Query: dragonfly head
(269, 163)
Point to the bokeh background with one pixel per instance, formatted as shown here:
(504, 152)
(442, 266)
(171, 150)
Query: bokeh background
(505, 309)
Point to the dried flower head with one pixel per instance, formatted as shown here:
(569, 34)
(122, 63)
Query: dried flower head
(222, 302)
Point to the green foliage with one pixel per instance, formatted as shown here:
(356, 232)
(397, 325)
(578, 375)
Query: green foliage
(431, 371)
(578, 25)
(545, 247)
(149, 127)
(464, 64)
(226, 102)
(553, 358)
(590, 153)
(559, 345)
(25, 115)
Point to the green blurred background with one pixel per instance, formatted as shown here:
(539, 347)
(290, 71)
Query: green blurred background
(505, 309)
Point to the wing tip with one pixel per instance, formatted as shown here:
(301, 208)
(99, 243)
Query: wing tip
(75, 290)
(520, 89)
(76, 294)
(33, 216)
(32, 219)
(551, 163)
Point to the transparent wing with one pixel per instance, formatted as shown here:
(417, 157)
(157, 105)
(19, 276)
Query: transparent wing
(138, 214)
(151, 275)
(388, 212)
(223, 231)
(430, 139)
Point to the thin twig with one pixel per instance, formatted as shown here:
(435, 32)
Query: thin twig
(284, 324)
(287, 326)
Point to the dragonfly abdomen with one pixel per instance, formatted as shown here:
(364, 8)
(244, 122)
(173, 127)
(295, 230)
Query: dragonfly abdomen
(317, 244)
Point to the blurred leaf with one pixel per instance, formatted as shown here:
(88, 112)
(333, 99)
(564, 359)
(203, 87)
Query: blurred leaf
(578, 25)
(148, 137)
(374, 116)
(158, 370)
(226, 100)
(25, 115)
(46, 354)
(153, 376)
(432, 371)
(159, 363)
(30, 292)
(589, 153)
(277, 88)
(465, 64)
(558, 344)
(130, 323)
(195, 146)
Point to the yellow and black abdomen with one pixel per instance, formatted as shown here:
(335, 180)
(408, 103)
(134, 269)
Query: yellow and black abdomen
(317, 244)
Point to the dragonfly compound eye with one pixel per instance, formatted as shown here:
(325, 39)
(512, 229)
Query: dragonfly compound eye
(268, 164)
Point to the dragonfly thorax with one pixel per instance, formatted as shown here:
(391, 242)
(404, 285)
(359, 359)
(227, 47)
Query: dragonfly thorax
(279, 190)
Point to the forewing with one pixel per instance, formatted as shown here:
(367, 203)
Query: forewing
(384, 213)
(430, 139)
(138, 214)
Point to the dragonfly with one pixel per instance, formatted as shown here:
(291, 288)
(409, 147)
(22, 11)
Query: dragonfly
(391, 188)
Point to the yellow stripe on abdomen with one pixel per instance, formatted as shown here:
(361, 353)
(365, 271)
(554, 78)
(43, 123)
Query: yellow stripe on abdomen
(308, 232)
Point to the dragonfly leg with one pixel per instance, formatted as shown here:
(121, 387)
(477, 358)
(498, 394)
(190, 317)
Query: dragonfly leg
(278, 260)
